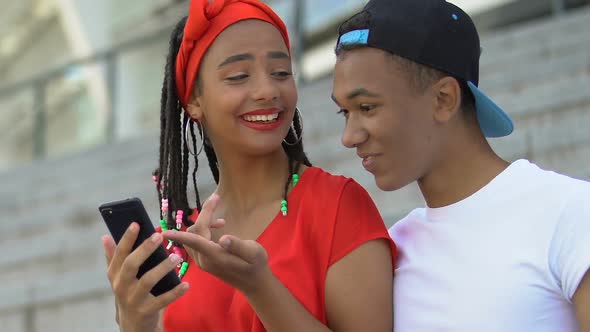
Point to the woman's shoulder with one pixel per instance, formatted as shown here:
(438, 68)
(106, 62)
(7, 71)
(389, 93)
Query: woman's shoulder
(323, 178)
(324, 182)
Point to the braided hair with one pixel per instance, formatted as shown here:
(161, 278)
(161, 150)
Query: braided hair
(173, 169)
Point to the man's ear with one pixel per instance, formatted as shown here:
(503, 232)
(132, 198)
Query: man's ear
(448, 99)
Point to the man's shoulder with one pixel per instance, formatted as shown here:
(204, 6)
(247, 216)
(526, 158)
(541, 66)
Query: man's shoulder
(408, 221)
(543, 181)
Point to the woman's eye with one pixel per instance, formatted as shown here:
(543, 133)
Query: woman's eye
(237, 77)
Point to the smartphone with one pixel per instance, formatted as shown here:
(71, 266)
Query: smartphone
(118, 216)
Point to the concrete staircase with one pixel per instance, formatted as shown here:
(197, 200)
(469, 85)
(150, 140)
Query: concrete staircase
(52, 275)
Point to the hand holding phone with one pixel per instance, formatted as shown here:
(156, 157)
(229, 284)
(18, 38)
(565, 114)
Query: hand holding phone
(118, 216)
(139, 266)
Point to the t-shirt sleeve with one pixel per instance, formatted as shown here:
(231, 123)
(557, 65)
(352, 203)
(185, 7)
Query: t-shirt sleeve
(357, 222)
(569, 253)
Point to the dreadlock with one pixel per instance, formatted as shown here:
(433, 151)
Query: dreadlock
(172, 172)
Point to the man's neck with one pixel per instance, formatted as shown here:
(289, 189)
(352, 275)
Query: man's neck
(464, 170)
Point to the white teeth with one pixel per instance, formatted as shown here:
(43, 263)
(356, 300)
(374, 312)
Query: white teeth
(261, 118)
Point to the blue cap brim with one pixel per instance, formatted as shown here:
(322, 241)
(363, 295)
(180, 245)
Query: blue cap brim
(493, 121)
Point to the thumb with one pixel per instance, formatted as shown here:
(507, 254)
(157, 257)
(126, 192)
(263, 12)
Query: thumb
(248, 250)
(109, 246)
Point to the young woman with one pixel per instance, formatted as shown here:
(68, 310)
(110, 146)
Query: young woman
(280, 245)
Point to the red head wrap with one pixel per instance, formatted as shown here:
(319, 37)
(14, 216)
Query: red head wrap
(206, 20)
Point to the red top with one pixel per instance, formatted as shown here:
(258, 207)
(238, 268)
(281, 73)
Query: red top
(329, 216)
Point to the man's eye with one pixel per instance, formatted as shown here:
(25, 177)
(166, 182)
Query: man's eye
(366, 107)
(282, 74)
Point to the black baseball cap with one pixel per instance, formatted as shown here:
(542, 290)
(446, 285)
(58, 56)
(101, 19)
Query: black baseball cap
(437, 34)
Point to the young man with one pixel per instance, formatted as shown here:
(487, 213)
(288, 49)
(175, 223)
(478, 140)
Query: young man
(499, 246)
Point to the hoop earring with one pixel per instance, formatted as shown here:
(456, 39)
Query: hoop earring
(292, 128)
(186, 140)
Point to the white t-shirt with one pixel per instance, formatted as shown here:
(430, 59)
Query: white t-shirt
(509, 258)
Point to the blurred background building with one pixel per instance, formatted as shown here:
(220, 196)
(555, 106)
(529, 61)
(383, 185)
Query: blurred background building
(79, 116)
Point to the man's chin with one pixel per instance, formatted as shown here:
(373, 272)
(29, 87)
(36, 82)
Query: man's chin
(387, 183)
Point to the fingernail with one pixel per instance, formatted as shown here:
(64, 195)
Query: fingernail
(156, 238)
(133, 227)
(175, 259)
(225, 242)
(185, 286)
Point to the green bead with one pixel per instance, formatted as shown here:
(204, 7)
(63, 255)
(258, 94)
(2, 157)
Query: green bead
(284, 209)
(183, 268)
(163, 224)
(295, 178)
(284, 203)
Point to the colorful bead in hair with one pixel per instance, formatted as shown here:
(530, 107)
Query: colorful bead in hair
(163, 225)
(284, 207)
(183, 270)
(179, 215)
(295, 179)
(180, 254)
